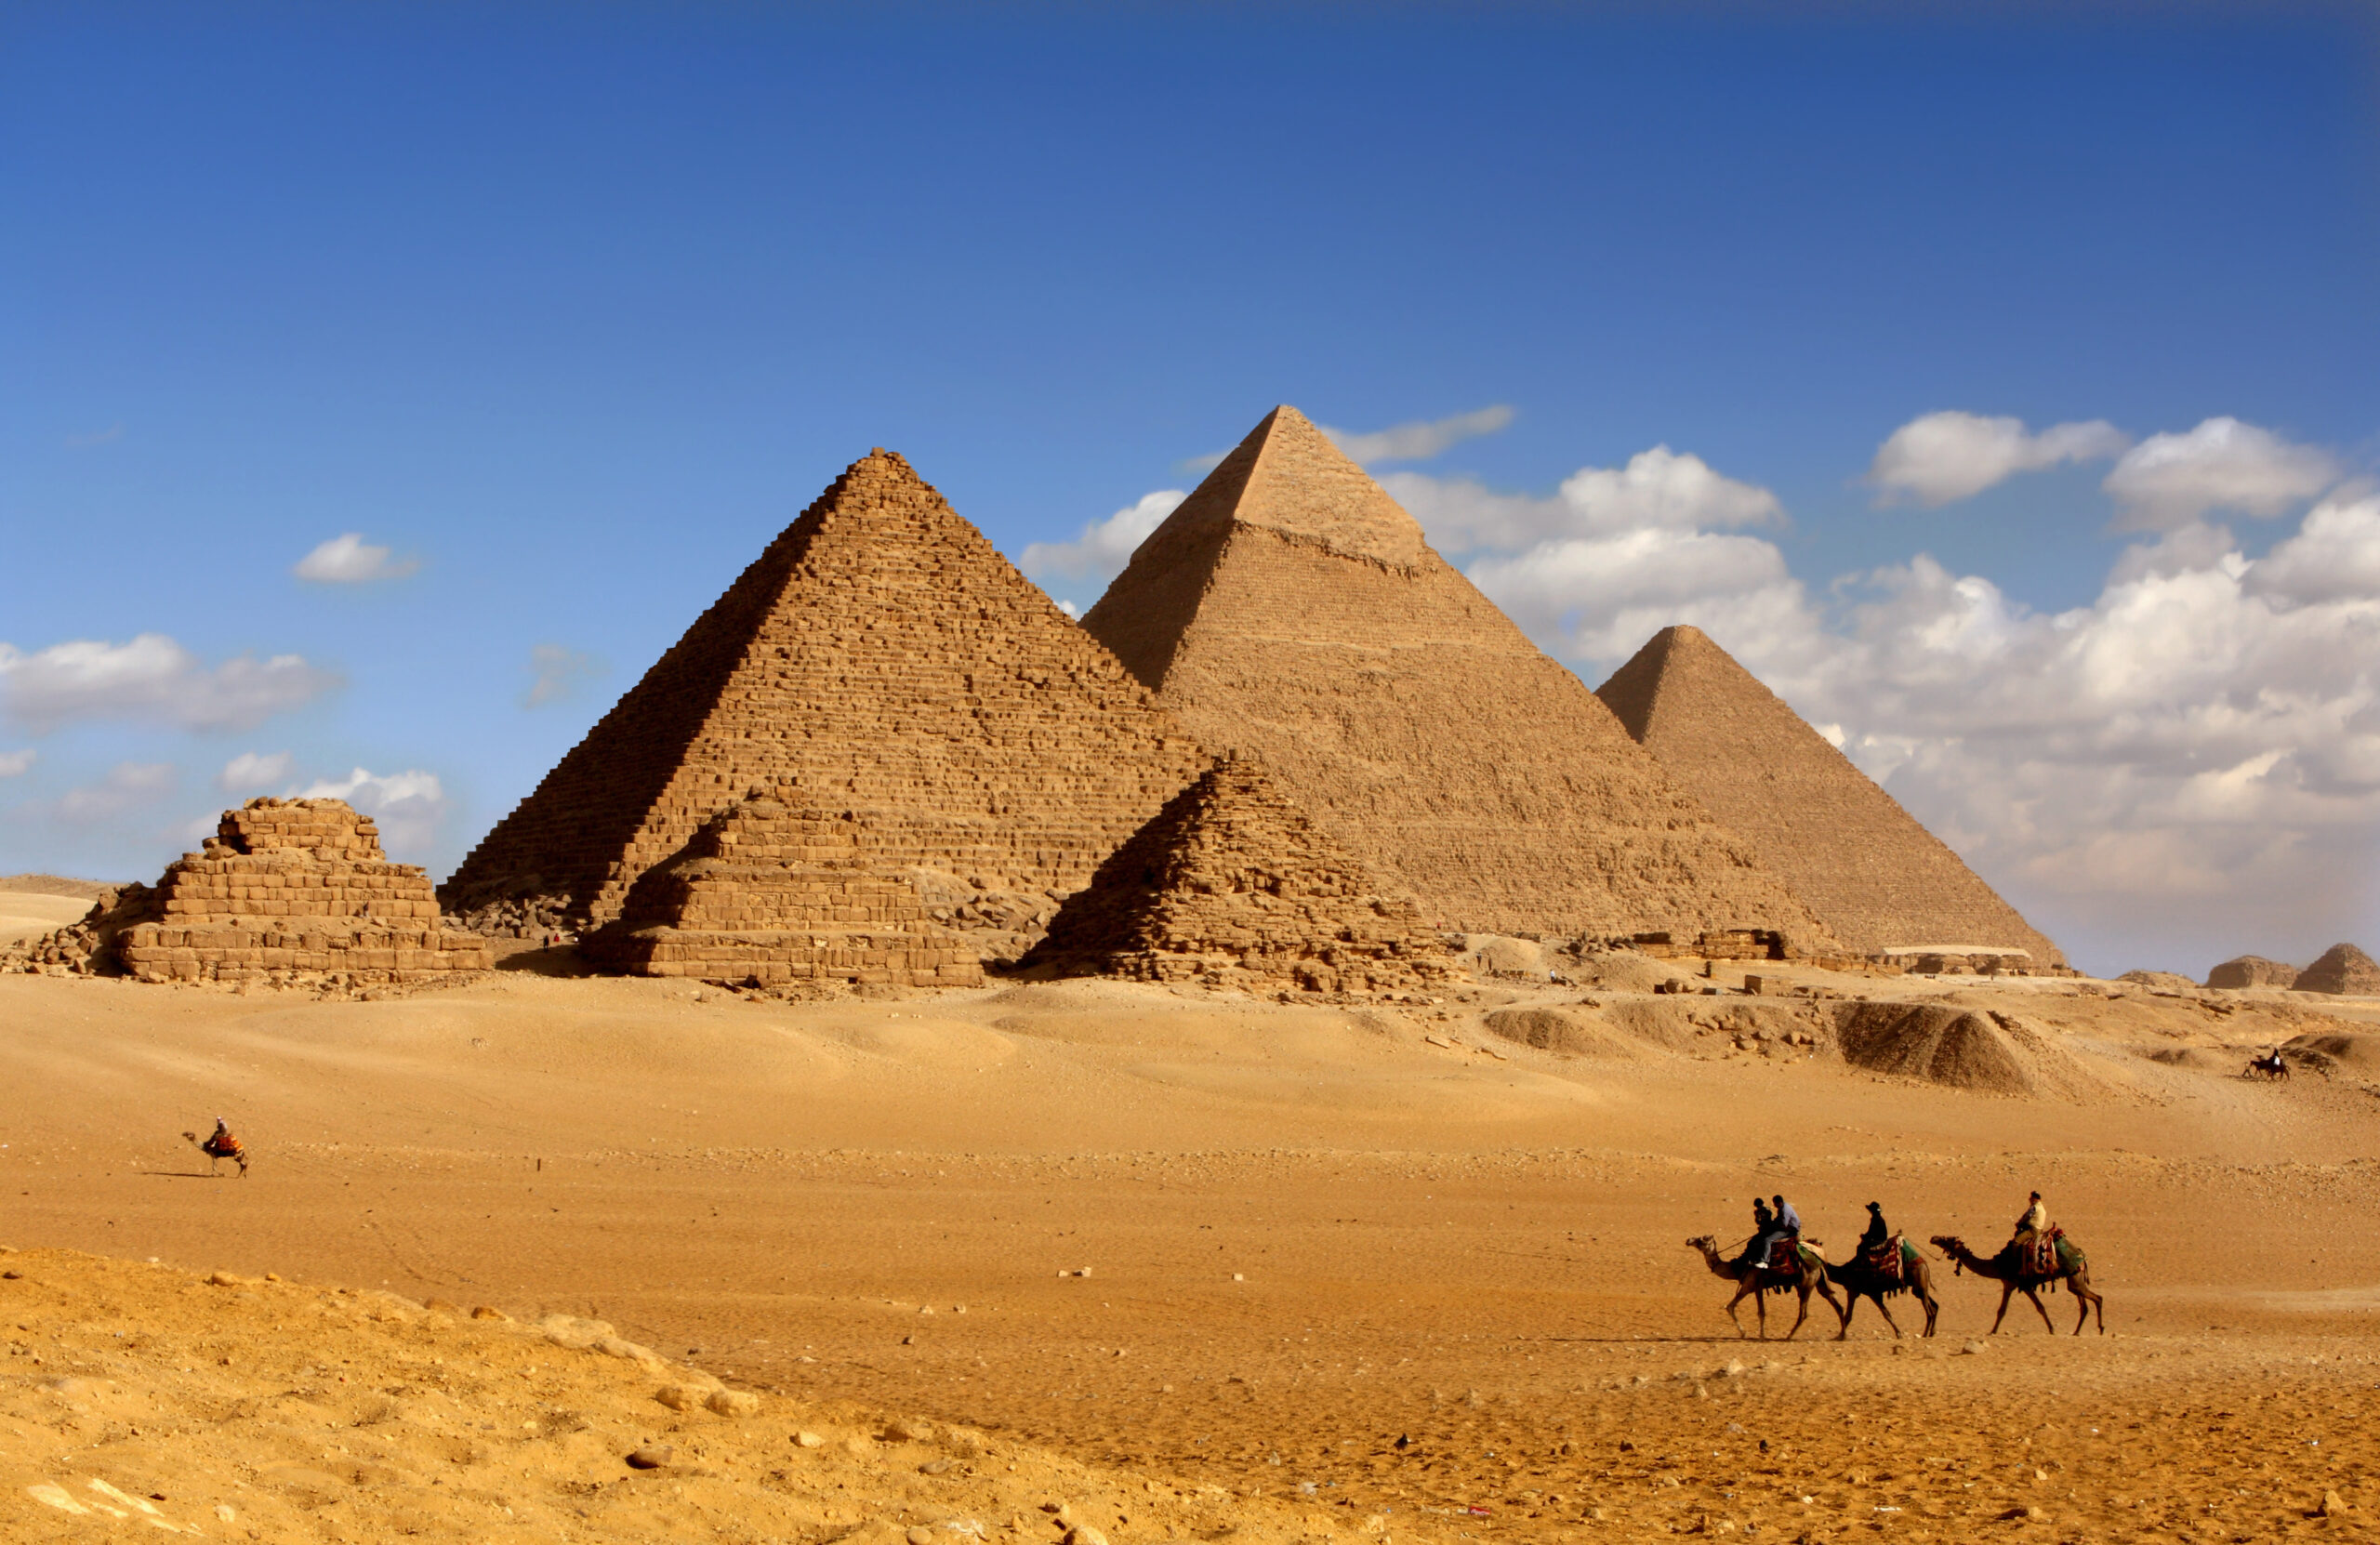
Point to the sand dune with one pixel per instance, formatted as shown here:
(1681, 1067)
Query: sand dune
(1310, 1231)
(30, 914)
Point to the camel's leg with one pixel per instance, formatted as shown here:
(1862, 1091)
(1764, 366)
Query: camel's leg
(1882, 1308)
(1933, 1307)
(2006, 1289)
(1845, 1334)
(1760, 1301)
(1804, 1300)
(1740, 1291)
(2046, 1322)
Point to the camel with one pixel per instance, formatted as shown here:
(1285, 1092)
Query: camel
(2272, 1067)
(1757, 1284)
(2006, 1270)
(1860, 1280)
(219, 1149)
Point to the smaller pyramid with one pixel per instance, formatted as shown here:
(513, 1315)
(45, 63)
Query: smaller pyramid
(1875, 876)
(2342, 969)
(1230, 882)
(289, 886)
(2253, 971)
(775, 890)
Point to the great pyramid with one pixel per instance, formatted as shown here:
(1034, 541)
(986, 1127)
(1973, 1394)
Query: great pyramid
(884, 656)
(1230, 880)
(775, 890)
(1864, 865)
(288, 888)
(1291, 608)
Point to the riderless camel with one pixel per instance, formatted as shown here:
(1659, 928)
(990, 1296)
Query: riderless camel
(2009, 1270)
(1758, 1281)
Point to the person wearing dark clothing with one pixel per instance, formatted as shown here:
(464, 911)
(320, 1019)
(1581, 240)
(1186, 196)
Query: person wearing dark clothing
(1877, 1232)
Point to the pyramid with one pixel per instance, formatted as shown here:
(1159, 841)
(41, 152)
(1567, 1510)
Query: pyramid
(776, 891)
(2253, 971)
(2342, 969)
(1878, 878)
(1230, 880)
(1291, 608)
(883, 655)
(287, 887)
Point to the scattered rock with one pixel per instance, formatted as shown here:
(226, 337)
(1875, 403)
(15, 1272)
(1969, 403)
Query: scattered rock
(1083, 1534)
(732, 1403)
(2333, 1505)
(1974, 1347)
(678, 1397)
(652, 1457)
(806, 1439)
(489, 1311)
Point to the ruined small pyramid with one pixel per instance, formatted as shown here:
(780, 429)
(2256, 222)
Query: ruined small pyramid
(1290, 607)
(1878, 878)
(290, 888)
(2253, 971)
(2342, 969)
(1231, 881)
(774, 891)
(883, 655)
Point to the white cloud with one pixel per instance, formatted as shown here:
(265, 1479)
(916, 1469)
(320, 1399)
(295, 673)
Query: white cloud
(2170, 479)
(2186, 767)
(556, 673)
(151, 678)
(1418, 441)
(1659, 489)
(251, 771)
(14, 764)
(1944, 457)
(349, 560)
(408, 806)
(128, 785)
(1105, 547)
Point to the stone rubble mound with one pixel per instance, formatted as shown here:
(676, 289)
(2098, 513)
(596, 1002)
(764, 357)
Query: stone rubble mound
(882, 654)
(1874, 876)
(288, 889)
(778, 891)
(2342, 969)
(1232, 884)
(1964, 1048)
(1288, 607)
(2253, 971)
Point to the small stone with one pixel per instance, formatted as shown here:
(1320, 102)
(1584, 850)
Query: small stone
(2037, 1515)
(1085, 1272)
(2333, 1505)
(907, 1432)
(652, 1457)
(1733, 1370)
(223, 1514)
(1238, 1277)
(489, 1311)
(678, 1397)
(1973, 1349)
(920, 1536)
(808, 1440)
(732, 1403)
(934, 1467)
(1083, 1534)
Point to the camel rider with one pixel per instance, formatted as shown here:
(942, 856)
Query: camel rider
(1789, 1222)
(1764, 1229)
(2034, 1223)
(222, 1141)
(1877, 1234)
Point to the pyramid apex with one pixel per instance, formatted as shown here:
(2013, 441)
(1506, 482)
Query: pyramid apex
(1287, 477)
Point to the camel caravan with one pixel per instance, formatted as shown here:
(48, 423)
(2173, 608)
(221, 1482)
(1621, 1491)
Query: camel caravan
(1885, 1265)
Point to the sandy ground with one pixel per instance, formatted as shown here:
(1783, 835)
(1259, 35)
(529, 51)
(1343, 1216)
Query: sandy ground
(1310, 1233)
(29, 914)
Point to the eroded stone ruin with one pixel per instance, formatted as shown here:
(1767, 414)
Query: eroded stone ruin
(2253, 971)
(2342, 969)
(1874, 876)
(1232, 884)
(776, 891)
(1290, 607)
(287, 888)
(883, 655)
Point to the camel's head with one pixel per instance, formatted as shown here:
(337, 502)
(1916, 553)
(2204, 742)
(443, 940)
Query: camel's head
(1703, 1242)
(1955, 1247)
(190, 1137)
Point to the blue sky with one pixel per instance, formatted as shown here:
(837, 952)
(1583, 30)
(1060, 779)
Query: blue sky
(570, 311)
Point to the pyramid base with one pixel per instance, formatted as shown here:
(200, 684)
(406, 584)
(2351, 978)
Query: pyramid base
(809, 957)
(1325, 974)
(254, 952)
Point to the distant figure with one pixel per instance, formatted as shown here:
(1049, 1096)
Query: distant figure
(1764, 1229)
(2034, 1223)
(221, 1145)
(1877, 1233)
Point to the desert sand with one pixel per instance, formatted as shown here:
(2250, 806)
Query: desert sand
(1360, 1270)
(30, 914)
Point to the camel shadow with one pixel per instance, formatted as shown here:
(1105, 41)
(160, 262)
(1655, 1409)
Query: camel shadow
(177, 1174)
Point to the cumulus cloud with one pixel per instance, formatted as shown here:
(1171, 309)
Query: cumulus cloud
(1659, 490)
(1421, 440)
(15, 764)
(349, 560)
(152, 678)
(1945, 457)
(1105, 547)
(251, 771)
(128, 787)
(2184, 767)
(556, 673)
(408, 806)
(2170, 480)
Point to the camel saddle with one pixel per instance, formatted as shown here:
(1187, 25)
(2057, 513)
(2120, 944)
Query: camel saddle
(1884, 1259)
(1785, 1256)
(2038, 1256)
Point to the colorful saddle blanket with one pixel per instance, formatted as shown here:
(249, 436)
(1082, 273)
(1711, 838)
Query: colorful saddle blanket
(1886, 1259)
(1785, 1256)
(2041, 1255)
